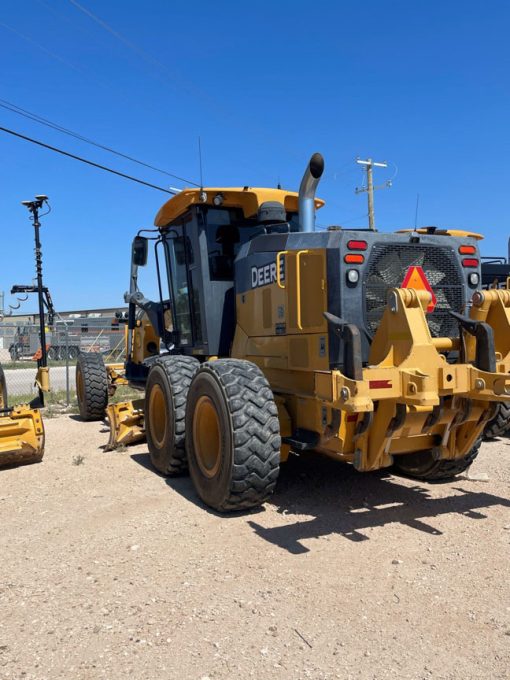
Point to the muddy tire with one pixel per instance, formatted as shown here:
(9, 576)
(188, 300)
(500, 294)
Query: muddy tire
(91, 386)
(3, 389)
(422, 465)
(232, 435)
(500, 423)
(165, 410)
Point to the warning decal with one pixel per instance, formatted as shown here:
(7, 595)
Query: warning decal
(417, 279)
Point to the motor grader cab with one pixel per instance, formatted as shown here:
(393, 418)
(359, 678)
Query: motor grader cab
(21, 426)
(269, 337)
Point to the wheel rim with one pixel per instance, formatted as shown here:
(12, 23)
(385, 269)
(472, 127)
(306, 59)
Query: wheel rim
(79, 386)
(157, 416)
(206, 437)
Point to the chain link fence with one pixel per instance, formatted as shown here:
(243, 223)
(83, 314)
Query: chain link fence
(20, 347)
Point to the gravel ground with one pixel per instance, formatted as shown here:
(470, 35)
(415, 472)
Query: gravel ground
(111, 571)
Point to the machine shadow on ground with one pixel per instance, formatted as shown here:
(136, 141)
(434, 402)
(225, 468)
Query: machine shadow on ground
(338, 500)
(341, 501)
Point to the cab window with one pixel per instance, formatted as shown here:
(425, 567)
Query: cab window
(226, 231)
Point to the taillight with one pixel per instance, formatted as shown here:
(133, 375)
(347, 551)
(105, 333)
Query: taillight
(354, 259)
(357, 245)
(467, 250)
(470, 262)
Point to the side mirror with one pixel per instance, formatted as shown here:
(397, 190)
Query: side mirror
(140, 251)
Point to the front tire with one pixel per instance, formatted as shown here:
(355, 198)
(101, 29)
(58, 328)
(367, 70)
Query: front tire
(422, 465)
(232, 435)
(165, 409)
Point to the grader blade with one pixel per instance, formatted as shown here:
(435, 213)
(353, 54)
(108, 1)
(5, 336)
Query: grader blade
(126, 423)
(21, 436)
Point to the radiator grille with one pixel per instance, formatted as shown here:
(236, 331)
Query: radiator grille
(387, 268)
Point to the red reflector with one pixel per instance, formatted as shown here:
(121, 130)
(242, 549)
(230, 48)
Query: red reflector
(352, 418)
(470, 262)
(467, 250)
(380, 384)
(354, 259)
(357, 245)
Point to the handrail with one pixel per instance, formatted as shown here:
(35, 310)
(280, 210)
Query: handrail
(278, 268)
(298, 274)
(298, 287)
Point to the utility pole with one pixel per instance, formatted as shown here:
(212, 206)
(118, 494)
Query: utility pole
(369, 164)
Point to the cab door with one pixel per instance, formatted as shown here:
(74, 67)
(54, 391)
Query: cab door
(183, 284)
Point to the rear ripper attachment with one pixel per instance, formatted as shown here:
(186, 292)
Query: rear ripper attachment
(410, 398)
(21, 426)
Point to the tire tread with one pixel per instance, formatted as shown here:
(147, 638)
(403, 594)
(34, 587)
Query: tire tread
(179, 370)
(444, 470)
(95, 385)
(255, 432)
(500, 423)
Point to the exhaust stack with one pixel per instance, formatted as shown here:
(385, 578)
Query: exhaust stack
(307, 189)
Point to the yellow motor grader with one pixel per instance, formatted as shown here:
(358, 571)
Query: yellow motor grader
(496, 274)
(268, 337)
(21, 426)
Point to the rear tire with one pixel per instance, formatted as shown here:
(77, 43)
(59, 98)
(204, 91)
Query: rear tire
(500, 423)
(91, 386)
(165, 411)
(232, 435)
(3, 389)
(422, 465)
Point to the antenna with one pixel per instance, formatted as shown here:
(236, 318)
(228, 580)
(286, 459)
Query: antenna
(200, 162)
(416, 211)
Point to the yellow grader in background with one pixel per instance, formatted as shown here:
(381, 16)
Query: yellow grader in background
(269, 337)
(496, 274)
(21, 426)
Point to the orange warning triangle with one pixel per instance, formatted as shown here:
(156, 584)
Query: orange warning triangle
(417, 279)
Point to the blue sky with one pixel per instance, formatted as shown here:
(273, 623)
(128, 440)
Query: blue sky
(424, 85)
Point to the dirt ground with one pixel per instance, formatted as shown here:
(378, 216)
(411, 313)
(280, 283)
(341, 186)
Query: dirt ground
(111, 571)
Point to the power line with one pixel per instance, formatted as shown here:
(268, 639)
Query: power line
(42, 48)
(88, 162)
(55, 126)
(176, 79)
(137, 50)
(66, 62)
